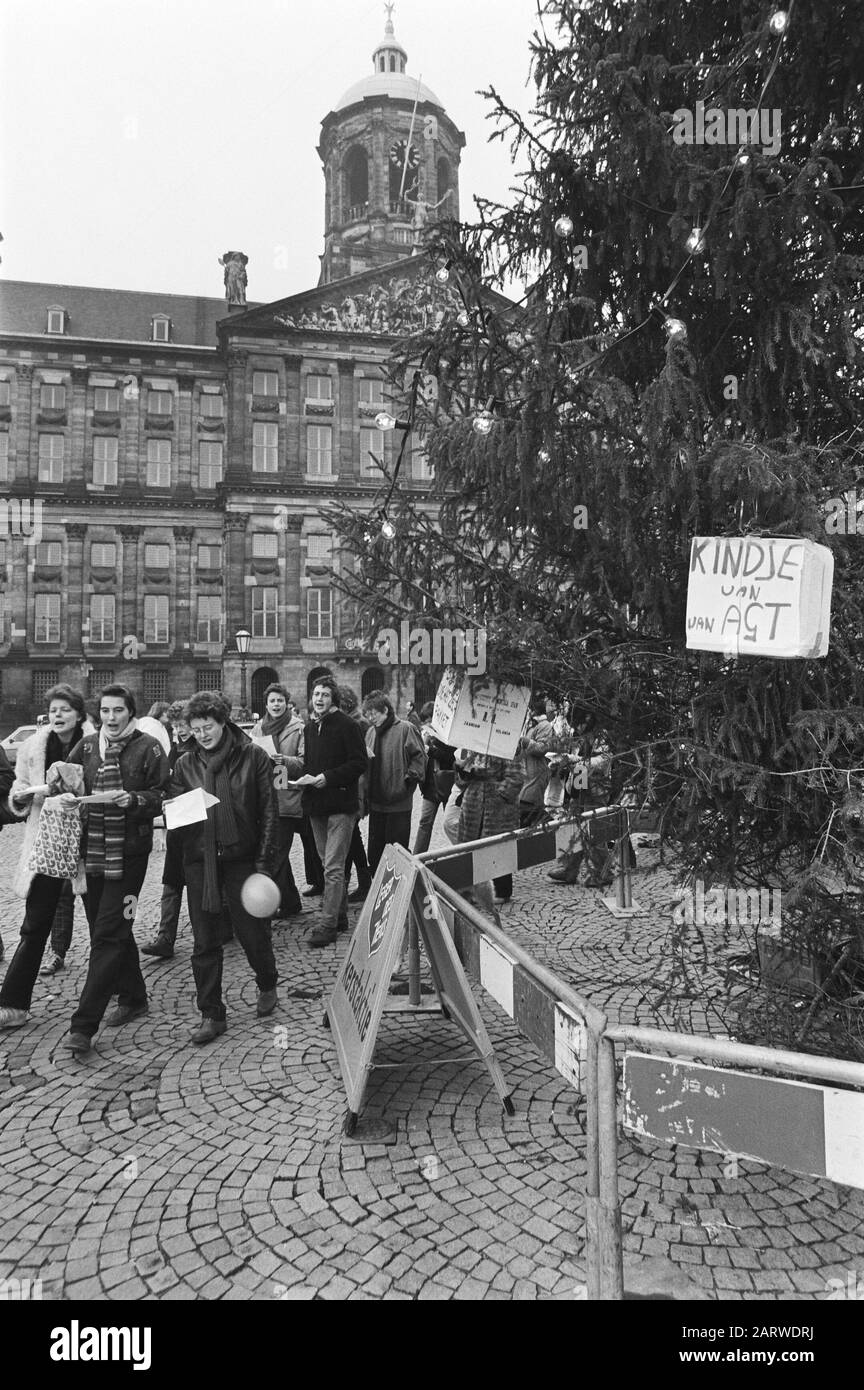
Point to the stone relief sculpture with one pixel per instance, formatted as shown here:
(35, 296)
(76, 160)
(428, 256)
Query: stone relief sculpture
(405, 306)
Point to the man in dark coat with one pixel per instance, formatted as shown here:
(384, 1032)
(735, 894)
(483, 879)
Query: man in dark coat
(334, 760)
(237, 839)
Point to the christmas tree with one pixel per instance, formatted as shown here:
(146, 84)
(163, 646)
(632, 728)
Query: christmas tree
(683, 358)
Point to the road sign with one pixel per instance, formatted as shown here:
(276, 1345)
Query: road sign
(791, 1124)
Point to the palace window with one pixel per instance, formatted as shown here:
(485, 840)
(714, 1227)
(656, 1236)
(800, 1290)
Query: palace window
(41, 683)
(264, 612)
(155, 686)
(265, 545)
(319, 449)
(52, 397)
(51, 458)
(265, 383)
(319, 549)
(209, 463)
(105, 452)
(103, 555)
(160, 328)
(49, 553)
(107, 400)
(47, 612)
(319, 388)
(160, 402)
(265, 447)
(209, 627)
(158, 462)
(5, 393)
(212, 405)
(56, 319)
(102, 617)
(155, 619)
(4, 457)
(157, 557)
(209, 557)
(319, 613)
(371, 390)
(371, 442)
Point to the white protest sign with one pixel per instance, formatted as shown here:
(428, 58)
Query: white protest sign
(759, 596)
(480, 714)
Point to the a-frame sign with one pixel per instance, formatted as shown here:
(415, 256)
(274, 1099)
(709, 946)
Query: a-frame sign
(401, 891)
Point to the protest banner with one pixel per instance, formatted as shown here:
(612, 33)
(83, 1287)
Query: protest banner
(759, 596)
(480, 714)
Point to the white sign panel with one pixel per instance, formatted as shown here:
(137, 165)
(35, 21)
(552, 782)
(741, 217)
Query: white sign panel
(759, 596)
(480, 714)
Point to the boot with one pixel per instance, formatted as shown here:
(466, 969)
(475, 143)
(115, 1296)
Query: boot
(570, 872)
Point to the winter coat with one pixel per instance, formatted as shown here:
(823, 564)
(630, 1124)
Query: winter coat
(7, 775)
(490, 803)
(400, 769)
(289, 743)
(253, 802)
(440, 757)
(30, 771)
(144, 772)
(333, 745)
(539, 741)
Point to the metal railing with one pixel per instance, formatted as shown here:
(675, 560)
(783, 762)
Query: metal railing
(604, 1254)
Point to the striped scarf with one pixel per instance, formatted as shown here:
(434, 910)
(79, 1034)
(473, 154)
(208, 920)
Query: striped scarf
(106, 824)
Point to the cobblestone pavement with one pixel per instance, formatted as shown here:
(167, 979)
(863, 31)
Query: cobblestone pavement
(154, 1169)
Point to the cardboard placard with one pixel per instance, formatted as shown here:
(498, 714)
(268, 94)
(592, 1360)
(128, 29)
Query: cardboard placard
(480, 714)
(759, 596)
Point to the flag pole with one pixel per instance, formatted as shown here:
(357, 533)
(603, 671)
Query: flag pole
(410, 133)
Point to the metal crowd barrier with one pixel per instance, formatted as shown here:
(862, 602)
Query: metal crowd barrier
(575, 1036)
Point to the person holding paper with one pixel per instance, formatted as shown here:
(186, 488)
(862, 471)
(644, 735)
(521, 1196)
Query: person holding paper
(126, 772)
(283, 727)
(49, 901)
(173, 882)
(333, 762)
(235, 837)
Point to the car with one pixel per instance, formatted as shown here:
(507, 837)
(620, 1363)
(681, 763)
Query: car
(13, 741)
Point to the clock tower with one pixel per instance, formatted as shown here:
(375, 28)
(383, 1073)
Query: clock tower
(391, 166)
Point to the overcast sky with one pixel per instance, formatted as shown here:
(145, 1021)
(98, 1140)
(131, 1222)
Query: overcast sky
(139, 139)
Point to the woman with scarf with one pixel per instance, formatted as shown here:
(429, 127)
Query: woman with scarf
(397, 766)
(128, 771)
(50, 902)
(284, 727)
(237, 839)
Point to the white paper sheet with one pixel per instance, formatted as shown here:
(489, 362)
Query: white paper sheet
(266, 742)
(188, 809)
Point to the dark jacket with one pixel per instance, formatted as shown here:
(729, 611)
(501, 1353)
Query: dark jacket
(489, 802)
(144, 771)
(397, 765)
(7, 777)
(253, 802)
(440, 757)
(333, 745)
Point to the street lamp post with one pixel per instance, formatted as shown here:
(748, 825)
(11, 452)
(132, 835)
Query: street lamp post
(243, 639)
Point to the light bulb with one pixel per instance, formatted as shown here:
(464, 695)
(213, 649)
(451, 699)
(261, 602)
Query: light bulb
(483, 422)
(778, 22)
(388, 530)
(463, 319)
(742, 159)
(384, 421)
(543, 455)
(696, 241)
(675, 328)
(442, 275)
(564, 225)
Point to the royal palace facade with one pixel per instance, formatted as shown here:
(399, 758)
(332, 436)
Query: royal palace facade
(164, 459)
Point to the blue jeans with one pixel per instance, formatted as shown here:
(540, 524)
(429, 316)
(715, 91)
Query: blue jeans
(332, 840)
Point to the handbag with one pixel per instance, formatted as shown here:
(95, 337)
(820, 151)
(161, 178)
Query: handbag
(57, 847)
